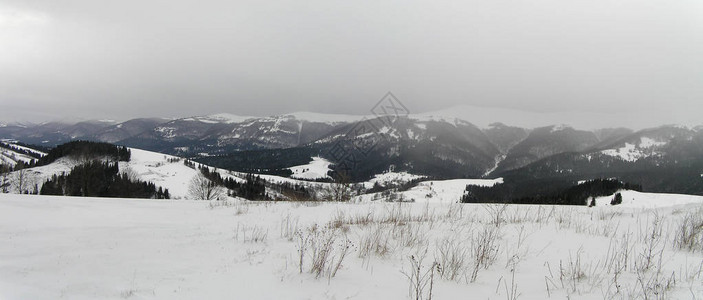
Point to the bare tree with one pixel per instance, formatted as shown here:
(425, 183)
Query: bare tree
(202, 188)
(22, 180)
(339, 191)
(130, 174)
(4, 178)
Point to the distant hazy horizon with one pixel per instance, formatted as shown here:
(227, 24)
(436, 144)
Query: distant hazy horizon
(629, 62)
(479, 116)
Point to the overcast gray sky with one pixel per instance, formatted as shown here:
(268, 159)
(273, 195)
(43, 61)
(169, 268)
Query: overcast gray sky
(129, 58)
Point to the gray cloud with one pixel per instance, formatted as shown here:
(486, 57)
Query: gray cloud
(124, 59)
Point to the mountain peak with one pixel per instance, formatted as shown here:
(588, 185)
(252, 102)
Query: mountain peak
(324, 118)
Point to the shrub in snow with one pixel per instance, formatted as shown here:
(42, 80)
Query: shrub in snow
(617, 199)
(326, 248)
(201, 188)
(689, 233)
(421, 277)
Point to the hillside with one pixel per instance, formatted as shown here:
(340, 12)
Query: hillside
(12, 154)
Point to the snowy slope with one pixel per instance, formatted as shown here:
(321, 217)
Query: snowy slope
(173, 175)
(39, 175)
(144, 165)
(11, 158)
(27, 149)
(645, 147)
(154, 167)
(87, 248)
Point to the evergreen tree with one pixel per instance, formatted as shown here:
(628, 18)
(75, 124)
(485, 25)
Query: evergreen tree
(617, 199)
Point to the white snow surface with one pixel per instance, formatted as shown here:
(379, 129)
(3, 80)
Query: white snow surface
(435, 191)
(89, 248)
(388, 178)
(154, 167)
(174, 176)
(316, 169)
(650, 200)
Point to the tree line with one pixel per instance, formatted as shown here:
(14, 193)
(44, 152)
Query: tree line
(85, 150)
(101, 179)
(253, 187)
(534, 192)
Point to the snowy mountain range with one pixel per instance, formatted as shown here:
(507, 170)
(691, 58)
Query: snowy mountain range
(439, 144)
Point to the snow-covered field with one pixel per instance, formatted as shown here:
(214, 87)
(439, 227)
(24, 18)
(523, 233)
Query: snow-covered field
(316, 169)
(87, 248)
(434, 191)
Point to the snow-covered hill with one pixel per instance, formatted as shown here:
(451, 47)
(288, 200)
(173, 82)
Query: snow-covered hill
(155, 167)
(165, 171)
(633, 152)
(11, 158)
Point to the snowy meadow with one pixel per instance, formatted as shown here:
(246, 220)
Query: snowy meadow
(90, 248)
